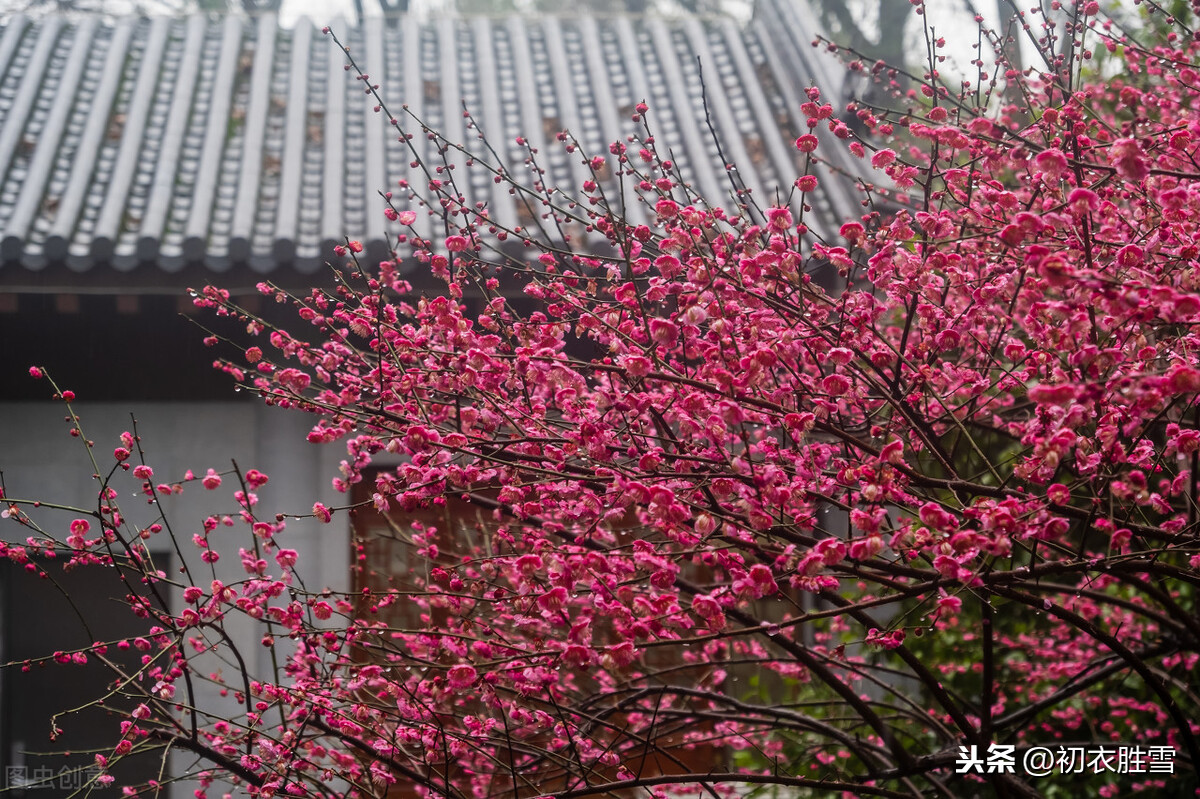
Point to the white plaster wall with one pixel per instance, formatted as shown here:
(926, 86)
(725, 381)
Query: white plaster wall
(40, 460)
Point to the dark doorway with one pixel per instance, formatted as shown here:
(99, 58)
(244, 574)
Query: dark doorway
(63, 612)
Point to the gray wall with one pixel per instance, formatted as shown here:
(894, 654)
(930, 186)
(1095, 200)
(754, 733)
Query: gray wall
(40, 460)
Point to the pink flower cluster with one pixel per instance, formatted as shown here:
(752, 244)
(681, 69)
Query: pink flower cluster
(951, 502)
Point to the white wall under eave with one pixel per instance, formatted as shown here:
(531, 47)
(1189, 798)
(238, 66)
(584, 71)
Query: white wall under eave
(40, 460)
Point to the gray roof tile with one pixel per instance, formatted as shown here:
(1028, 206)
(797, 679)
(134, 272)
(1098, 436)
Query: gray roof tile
(182, 143)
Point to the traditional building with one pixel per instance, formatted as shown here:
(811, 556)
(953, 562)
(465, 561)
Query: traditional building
(139, 157)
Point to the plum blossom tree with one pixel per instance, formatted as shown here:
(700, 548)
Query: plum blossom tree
(872, 540)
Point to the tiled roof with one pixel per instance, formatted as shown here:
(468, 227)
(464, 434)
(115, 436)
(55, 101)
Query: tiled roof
(234, 142)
